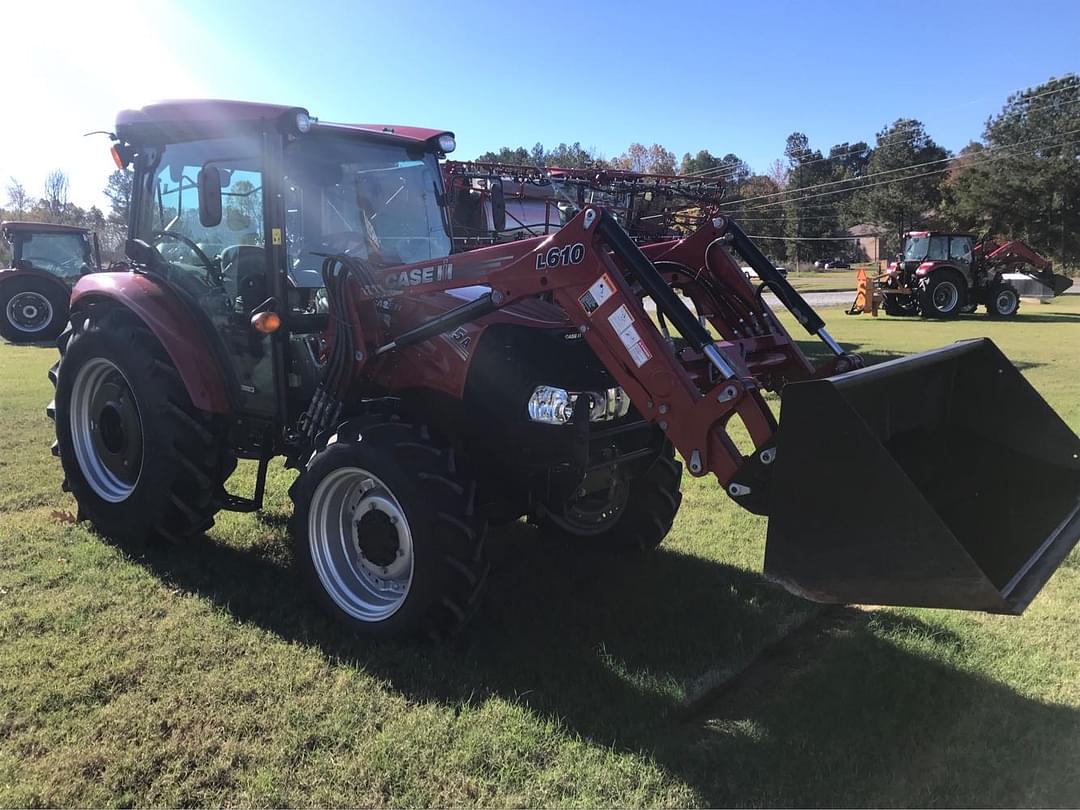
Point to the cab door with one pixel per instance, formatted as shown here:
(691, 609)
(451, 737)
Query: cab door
(222, 269)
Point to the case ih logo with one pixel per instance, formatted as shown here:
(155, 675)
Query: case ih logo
(444, 271)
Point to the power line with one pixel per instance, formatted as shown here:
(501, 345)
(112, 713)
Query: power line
(810, 238)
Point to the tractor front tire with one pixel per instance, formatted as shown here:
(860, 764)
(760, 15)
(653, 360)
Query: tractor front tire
(639, 521)
(1003, 302)
(387, 532)
(33, 310)
(942, 295)
(140, 459)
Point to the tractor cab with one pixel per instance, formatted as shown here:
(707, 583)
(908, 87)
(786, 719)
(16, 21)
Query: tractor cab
(238, 219)
(64, 251)
(925, 250)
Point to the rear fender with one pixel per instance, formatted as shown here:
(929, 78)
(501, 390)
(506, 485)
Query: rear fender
(172, 324)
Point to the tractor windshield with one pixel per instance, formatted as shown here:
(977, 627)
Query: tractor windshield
(933, 248)
(916, 248)
(377, 201)
(66, 255)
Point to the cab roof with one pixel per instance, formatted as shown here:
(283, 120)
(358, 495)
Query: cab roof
(40, 227)
(183, 119)
(920, 234)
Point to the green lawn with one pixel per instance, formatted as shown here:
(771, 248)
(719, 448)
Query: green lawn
(200, 675)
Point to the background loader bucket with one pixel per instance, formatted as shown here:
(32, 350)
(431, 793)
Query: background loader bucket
(938, 480)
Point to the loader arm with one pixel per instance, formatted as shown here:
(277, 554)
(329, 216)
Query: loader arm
(1016, 251)
(601, 279)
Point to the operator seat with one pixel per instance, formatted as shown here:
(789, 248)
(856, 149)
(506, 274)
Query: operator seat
(243, 269)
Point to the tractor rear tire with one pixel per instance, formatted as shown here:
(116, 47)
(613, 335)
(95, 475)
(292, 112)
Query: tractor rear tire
(32, 310)
(642, 519)
(942, 295)
(140, 459)
(1003, 302)
(387, 531)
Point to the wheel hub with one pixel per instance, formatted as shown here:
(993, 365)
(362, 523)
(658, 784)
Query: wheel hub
(29, 311)
(376, 537)
(596, 510)
(111, 425)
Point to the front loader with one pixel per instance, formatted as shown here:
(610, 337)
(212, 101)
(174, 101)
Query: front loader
(293, 294)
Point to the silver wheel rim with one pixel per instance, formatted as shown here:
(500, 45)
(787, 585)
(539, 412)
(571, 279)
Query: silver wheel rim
(946, 296)
(348, 508)
(1005, 302)
(29, 311)
(106, 430)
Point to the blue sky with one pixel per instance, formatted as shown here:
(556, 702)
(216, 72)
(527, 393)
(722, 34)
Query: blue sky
(728, 77)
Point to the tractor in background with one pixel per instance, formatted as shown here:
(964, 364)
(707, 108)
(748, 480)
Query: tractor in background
(46, 262)
(941, 275)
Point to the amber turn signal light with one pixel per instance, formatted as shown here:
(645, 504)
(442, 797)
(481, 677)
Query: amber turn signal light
(266, 322)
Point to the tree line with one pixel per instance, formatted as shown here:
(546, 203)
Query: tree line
(1021, 179)
(54, 206)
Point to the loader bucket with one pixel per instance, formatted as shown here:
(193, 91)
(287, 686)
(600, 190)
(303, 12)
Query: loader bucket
(938, 480)
(1060, 283)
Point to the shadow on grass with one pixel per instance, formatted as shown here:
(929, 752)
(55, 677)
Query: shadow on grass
(611, 646)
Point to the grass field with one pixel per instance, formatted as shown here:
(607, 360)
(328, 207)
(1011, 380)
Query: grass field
(200, 675)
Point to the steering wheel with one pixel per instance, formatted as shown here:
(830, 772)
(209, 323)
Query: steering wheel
(198, 251)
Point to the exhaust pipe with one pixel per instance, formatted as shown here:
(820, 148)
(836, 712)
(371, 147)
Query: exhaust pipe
(938, 480)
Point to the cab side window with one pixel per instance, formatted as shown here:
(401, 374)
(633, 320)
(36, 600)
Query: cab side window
(939, 249)
(960, 249)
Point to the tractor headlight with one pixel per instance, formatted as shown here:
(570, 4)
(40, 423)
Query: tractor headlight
(447, 144)
(550, 405)
(303, 123)
(555, 406)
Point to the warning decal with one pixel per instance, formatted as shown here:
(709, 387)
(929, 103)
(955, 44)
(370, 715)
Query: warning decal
(597, 294)
(623, 323)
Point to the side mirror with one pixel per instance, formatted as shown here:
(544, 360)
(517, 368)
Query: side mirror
(209, 183)
(498, 206)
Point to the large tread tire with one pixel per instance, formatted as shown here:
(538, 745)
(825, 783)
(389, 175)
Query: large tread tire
(939, 282)
(653, 503)
(439, 502)
(51, 293)
(184, 462)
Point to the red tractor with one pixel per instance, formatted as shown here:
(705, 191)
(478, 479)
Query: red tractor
(46, 261)
(941, 275)
(293, 293)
